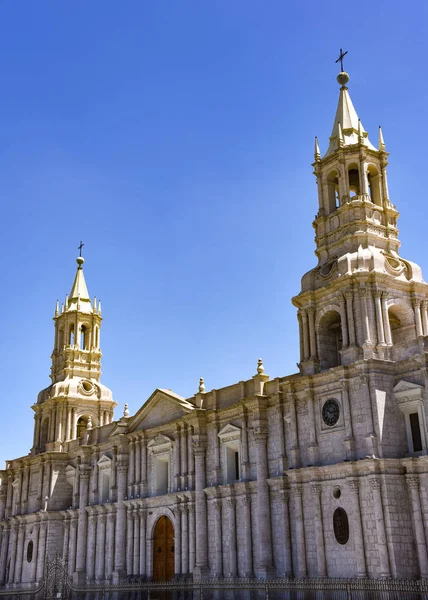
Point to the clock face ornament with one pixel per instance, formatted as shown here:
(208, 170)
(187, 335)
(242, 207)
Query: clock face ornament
(331, 412)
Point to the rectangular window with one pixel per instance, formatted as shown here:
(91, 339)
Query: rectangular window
(416, 432)
(161, 475)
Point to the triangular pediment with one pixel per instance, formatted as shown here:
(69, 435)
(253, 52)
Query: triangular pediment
(104, 461)
(159, 440)
(405, 386)
(229, 432)
(163, 406)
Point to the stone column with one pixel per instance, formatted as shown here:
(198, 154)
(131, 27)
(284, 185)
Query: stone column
(92, 544)
(281, 438)
(19, 553)
(143, 513)
(66, 542)
(371, 439)
(177, 544)
(418, 524)
(42, 551)
(73, 540)
(143, 484)
(349, 439)
(190, 459)
(379, 319)
(129, 541)
(291, 419)
(137, 491)
(184, 457)
(244, 449)
(386, 325)
(288, 567)
(299, 320)
(356, 527)
(418, 321)
(217, 477)
(110, 545)
(263, 504)
(80, 575)
(246, 509)
(218, 538)
(298, 539)
(364, 313)
(350, 312)
(101, 547)
(381, 544)
(184, 540)
(319, 530)
(312, 338)
(192, 537)
(3, 553)
(201, 567)
(306, 351)
(33, 574)
(425, 316)
(136, 563)
(13, 547)
(313, 445)
(176, 459)
(120, 534)
(131, 468)
(232, 538)
(345, 342)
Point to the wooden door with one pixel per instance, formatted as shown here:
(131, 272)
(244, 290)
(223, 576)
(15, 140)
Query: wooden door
(163, 550)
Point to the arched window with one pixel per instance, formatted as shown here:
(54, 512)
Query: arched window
(71, 335)
(374, 185)
(30, 549)
(44, 431)
(82, 425)
(83, 337)
(401, 323)
(330, 339)
(353, 181)
(341, 526)
(333, 191)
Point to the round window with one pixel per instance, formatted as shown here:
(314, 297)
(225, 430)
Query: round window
(87, 386)
(341, 525)
(331, 412)
(30, 548)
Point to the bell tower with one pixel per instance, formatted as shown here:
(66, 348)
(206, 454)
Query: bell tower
(76, 401)
(362, 300)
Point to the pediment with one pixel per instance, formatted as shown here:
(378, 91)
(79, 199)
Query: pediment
(161, 408)
(104, 461)
(159, 440)
(405, 386)
(229, 432)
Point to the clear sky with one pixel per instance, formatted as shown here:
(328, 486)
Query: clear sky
(176, 140)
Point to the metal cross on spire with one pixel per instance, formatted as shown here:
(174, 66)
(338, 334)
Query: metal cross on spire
(341, 57)
(80, 247)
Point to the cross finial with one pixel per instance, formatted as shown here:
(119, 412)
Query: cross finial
(80, 247)
(341, 57)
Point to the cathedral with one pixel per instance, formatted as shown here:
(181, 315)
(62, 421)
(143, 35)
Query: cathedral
(322, 473)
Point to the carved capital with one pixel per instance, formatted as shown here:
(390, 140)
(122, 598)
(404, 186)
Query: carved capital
(344, 384)
(349, 295)
(296, 491)
(412, 482)
(416, 302)
(354, 486)
(316, 489)
(260, 435)
(375, 484)
(377, 294)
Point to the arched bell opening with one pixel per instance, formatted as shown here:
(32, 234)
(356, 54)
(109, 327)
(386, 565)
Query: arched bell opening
(354, 180)
(163, 549)
(401, 323)
(71, 335)
(82, 425)
(330, 340)
(373, 181)
(333, 191)
(84, 338)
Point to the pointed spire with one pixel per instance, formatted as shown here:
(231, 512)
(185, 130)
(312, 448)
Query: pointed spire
(317, 153)
(56, 309)
(346, 119)
(95, 304)
(381, 144)
(99, 308)
(340, 135)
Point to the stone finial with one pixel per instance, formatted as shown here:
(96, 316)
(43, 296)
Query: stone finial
(56, 308)
(201, 386)
(66, 302)
(99, 307)
(260, 367)
(381, 144)
(89, 425)
(126, 411)
(95, 304)
(343, 78)
(317, 153)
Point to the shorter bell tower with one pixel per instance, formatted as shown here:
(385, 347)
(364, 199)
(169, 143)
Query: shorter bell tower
(76, 401)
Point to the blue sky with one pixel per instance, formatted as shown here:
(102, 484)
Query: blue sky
(176, 140)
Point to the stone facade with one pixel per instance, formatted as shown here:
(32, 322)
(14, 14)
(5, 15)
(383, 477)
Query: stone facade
(323, 473)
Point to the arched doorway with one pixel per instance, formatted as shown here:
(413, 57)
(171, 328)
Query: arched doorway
(163, 550)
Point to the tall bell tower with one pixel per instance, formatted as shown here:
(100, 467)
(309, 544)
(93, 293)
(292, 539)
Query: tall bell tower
(362, 300)
(76, 400)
